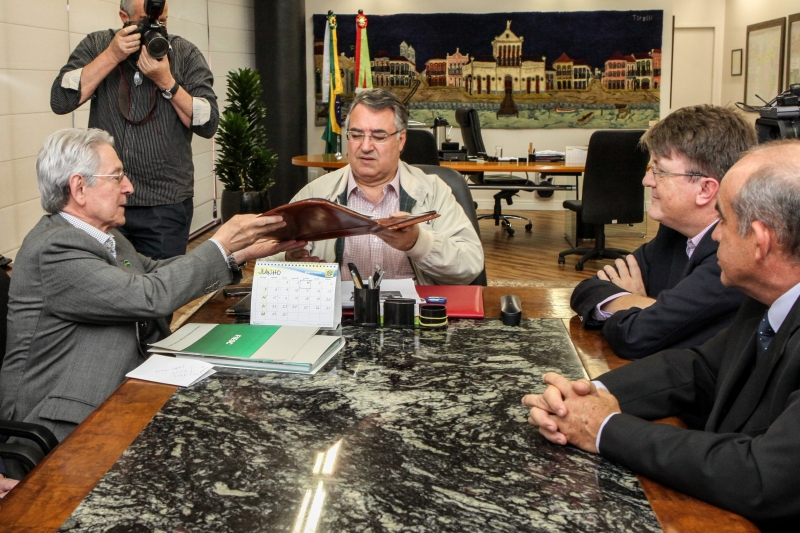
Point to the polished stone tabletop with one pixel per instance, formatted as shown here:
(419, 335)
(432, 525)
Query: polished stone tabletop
(399, 432)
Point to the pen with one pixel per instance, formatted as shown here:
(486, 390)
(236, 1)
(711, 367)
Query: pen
(356, 276)
(380, 278)
(377, 274)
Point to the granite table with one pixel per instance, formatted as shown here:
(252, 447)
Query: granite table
(402, 431)
(48, 495)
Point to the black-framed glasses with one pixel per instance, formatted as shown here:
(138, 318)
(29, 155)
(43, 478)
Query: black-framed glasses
(357, 137)
(116, 177)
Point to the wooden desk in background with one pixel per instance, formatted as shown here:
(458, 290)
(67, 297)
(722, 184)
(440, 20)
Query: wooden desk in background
(50, 493)
(329, 162)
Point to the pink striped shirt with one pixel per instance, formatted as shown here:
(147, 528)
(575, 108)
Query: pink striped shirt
(368, 251)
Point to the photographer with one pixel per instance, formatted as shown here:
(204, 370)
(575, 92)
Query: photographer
(151, 107)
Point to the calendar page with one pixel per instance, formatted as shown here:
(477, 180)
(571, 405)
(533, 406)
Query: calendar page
(296, 294)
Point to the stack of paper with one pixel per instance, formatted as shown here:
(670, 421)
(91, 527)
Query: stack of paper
(279, 348)
(172, 371)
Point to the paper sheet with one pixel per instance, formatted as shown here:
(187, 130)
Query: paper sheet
(172, 371)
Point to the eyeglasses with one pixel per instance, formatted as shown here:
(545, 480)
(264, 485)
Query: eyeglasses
(657, 174)
(116, 177)
(357, 137)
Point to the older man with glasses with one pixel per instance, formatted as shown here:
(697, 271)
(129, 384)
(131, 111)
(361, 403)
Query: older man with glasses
(445, 251)
(668, 293)
(83, 305)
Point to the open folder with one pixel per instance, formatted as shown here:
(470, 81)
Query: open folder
(316, 219)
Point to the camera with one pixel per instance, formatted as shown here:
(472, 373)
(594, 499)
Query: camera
(154, 33)
(782, 120)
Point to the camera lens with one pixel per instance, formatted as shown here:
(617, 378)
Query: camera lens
(157, 45)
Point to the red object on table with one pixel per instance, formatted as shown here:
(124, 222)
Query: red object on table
(463, 301)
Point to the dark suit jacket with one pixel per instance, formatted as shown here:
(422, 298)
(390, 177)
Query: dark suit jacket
(692, 304)
(746, 457)
(73, 310)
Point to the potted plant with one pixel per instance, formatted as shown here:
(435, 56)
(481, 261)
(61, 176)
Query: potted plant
(244, 163)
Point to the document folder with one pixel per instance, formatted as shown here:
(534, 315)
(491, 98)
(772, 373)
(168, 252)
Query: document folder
(316, 219)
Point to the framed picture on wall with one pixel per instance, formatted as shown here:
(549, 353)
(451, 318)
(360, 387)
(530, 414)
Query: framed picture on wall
(793, 59)
(764, 63)
(736, 62)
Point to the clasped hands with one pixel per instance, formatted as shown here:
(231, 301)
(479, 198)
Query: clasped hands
(570, 411)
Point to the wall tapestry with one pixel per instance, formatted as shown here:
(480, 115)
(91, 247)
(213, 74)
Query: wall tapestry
(585, 69)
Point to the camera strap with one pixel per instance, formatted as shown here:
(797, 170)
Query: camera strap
(124, 100)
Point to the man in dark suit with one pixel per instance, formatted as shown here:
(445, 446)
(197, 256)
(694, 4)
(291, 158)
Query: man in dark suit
(740, 391)
(667, 294)
(83, 304)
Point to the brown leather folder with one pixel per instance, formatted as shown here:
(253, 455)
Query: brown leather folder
(316, 219)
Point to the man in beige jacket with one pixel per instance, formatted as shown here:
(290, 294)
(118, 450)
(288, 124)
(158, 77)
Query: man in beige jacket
(444, 251)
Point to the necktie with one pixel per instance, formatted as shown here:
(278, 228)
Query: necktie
(765, 335)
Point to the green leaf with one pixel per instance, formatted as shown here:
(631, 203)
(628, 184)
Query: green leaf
(244, 163)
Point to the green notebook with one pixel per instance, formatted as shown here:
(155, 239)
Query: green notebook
(282, 348)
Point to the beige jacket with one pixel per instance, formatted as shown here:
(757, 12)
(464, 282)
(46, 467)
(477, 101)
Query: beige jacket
(447, 252)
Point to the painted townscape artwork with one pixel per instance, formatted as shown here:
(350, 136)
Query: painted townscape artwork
(585, 69)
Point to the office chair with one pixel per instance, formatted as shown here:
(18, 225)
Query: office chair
(467, 118)
(463, 197)
(420, 148)
(612, 190)
(19, 458)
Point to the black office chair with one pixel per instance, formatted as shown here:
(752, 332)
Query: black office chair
(420, 148)
(612, 190)
(470, 124)
(19, 458)
(464, 199)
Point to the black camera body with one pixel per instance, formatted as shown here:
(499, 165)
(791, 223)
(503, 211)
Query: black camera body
(154, 33)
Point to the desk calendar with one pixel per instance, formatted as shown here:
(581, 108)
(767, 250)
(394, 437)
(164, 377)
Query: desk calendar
(296, 294)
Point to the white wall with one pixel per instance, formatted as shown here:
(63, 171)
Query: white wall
(513, 141)
(36, 38)
(705, 14)
(738, 15)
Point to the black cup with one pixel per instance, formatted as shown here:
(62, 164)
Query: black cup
(398, 313)
(367, 307)
(433, 316)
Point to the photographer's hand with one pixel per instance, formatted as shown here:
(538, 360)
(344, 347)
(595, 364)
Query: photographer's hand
(160, 73)
(124, 43)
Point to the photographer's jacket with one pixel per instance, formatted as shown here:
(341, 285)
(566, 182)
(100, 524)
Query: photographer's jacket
(157, 153)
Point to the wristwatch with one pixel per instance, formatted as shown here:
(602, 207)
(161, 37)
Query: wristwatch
(169, 93)
(235, 268)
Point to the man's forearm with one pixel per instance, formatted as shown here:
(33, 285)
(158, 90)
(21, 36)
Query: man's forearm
(95, 72)
(182, 103)
(624, 303)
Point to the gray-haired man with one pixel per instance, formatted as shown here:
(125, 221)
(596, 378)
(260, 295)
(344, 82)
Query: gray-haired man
(447, 251)
(82, 303)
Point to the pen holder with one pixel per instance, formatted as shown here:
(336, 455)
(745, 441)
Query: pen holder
(398, 313)
(367, 307)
